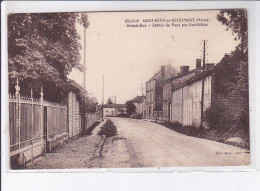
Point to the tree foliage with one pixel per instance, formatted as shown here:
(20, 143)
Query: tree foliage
(130, 107)
(109, 101)
(91, 103)
(236, 21)
(231, 74)
(42, 50)
(232, 71)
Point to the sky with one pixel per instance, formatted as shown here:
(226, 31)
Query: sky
(129, 56)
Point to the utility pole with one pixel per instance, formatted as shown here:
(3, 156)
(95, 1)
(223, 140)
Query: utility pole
(102, 114)
(142, 88)
(202, 92)
(84, 113)
(84, 20)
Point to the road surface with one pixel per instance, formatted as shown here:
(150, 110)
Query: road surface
(141, 143)
(153, 145)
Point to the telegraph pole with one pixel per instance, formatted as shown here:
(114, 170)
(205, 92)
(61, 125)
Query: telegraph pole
(202, 92)
(84, 117)
(142, 88)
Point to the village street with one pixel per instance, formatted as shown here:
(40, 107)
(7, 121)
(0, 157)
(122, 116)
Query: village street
(141, 144)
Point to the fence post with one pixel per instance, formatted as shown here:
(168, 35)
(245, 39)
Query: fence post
(42, 126)
(17, 97)
(32, 124)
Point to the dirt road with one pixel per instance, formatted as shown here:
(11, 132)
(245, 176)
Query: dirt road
(141, 143)
(152, 145)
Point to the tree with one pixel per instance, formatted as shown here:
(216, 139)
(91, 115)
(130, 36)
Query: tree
(42, 50)
(91, 103)
(109, 101)
(232, 71)
(237, 61)
(130, 107)
(236, 20)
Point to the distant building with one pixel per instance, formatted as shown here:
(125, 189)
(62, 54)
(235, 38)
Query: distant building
(144, 107)
(114, 109)
(154, 91)
(138, 102)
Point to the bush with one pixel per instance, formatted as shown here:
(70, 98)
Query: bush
(108, 129)
(219, 117)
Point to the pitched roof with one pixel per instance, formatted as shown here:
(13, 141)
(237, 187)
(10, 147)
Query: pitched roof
(76, 85)
(169, 72)
(188, 79)
(138, 99)
(154, 76)
(115, 105)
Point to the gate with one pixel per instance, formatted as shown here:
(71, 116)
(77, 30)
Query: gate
(33, 123)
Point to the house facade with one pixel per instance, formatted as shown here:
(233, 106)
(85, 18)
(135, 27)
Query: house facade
(174, 82)
(187, 98)
(144, 107)
(114, 110)
(182, 95)
(154, 93)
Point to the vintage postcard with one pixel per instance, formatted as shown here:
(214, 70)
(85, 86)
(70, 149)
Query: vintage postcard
(128, 89)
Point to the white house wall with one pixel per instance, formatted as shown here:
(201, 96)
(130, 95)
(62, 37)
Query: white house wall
(113, 111)
(186, 102)
(138, 108)
(177, 106)
(110, 112)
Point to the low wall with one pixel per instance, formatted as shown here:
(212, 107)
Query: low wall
(91, 118)
(56, 141)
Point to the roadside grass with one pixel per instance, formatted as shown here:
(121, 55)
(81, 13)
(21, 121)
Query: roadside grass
(210, 134)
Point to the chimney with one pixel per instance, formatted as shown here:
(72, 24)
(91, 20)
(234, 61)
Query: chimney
(162, 72)
(198, 63)
(184, 70)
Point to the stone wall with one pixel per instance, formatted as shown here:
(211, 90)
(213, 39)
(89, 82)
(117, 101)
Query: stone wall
(91, 118)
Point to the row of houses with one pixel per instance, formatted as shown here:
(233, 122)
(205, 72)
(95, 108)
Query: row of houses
(177, 97)
(174, 97)
(114, 109)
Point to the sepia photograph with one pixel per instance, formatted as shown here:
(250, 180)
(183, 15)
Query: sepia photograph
(128, 89)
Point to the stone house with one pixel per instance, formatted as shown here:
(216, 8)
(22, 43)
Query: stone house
(154, 91)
